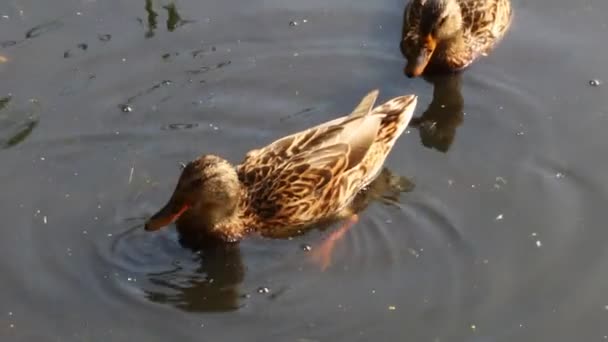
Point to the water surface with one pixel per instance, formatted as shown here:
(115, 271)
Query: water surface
(502, 239)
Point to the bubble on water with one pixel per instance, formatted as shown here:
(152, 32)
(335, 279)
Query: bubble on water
(125, 108)
(595, 82)
(306, 247)
(263, 290)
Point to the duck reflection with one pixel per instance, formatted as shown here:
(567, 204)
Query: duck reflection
(437, 125)
(212, 287)
(215, 285)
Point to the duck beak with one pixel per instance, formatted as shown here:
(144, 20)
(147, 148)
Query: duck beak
(168, 214)
(416, 65)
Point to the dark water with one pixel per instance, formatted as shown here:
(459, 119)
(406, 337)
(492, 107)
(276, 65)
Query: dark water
(503, 239)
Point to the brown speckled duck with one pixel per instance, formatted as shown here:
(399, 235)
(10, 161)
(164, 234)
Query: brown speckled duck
(300, 180)
(448, 35)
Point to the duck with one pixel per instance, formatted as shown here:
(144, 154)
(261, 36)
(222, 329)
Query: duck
(449, 35)
(298, 181)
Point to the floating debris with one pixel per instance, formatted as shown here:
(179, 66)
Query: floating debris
(42, 29)
(559, 175)
(104, 37)
(473, 327)
(131, 174)
(293, 23)
(306, 247)
(538, 243)
(392, 308)
(595, 83)
(500, 181)
(499, 217)
(44, 219)
(125, 108)
(263, 290)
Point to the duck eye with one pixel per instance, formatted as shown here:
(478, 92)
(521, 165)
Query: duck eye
(442, 20)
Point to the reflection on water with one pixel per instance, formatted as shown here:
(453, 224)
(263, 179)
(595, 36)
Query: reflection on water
(211, 287)
(174, 19)
(437, 125)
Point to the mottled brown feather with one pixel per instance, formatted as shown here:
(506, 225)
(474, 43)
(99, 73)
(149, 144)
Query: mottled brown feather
(484, 23)
(301, 179)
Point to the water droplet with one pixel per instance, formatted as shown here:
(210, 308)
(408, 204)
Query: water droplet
(263, 290)
(293, 23)
(125, 108)
(595, 82)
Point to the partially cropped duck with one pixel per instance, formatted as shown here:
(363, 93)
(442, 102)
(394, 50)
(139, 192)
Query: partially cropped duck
(295, 182)
(448, 35)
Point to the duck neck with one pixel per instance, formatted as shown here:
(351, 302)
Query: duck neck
(229, 221)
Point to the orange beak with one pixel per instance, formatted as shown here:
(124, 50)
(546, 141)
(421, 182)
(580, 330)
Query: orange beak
(416, 65)
(168, 214)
